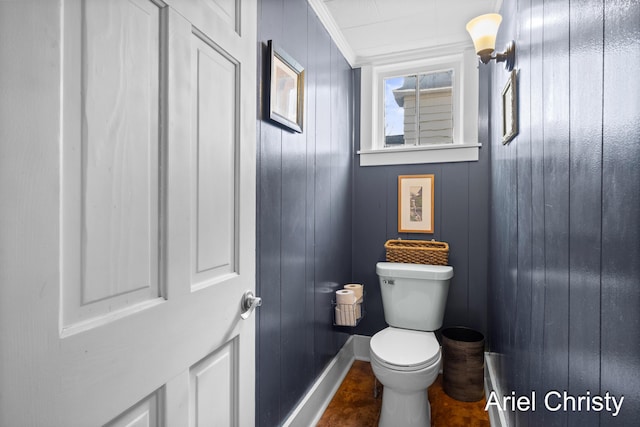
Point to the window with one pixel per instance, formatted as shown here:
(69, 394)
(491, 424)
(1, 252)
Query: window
(418, 109)
(423, 111)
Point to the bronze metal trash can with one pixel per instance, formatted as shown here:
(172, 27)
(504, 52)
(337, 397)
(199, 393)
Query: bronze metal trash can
(463, 367)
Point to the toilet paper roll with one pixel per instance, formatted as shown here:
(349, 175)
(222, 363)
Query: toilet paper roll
(345, 296)
(339, 317)
(357, 289)
(346, 314)
(351, 315)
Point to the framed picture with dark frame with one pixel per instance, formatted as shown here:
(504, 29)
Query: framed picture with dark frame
(415, 203)
(286, 89)
(510, 108)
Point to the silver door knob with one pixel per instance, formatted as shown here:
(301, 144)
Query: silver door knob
(248, 304)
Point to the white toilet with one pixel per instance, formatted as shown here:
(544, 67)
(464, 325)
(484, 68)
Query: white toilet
(405, 357)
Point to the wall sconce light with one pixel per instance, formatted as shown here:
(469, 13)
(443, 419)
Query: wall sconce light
(483, 30)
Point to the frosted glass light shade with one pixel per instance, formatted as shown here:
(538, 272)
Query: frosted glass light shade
(483, 30)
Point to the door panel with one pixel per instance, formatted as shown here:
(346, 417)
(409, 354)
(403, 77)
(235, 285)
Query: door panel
(227, 11)
(214, 388)
(119, 149)
(147, 413)
(111, 160)
(214, 138)
(122, 306)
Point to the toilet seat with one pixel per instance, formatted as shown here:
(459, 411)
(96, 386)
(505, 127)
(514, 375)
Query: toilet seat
(404, 349)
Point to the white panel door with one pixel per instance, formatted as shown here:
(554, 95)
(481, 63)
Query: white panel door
(127, 220)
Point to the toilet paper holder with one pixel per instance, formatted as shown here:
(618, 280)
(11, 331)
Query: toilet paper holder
(348, 314)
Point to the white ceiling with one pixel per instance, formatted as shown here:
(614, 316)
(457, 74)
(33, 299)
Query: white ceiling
(368, 29)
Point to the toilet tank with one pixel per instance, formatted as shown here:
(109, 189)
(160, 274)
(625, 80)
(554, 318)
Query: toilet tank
(414, 295)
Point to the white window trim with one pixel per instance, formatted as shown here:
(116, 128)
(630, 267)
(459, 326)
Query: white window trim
(465, 147)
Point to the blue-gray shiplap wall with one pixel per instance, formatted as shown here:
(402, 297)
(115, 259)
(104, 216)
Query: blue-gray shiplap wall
(564, 294)
(304, 212)
(461, 218)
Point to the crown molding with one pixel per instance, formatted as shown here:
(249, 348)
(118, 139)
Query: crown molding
(334, 31)
(356, 61)
(414, 54)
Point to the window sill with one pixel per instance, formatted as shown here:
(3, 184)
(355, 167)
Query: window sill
(414, 155)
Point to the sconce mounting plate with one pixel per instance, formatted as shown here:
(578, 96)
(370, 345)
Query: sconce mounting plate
(508, 56)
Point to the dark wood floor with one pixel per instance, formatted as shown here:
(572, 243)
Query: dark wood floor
(355, 406)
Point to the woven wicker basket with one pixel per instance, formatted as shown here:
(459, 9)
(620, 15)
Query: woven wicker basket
(417, 251)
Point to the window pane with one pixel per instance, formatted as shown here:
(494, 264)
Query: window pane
(436, 108)
(426, 119)
(399, 111)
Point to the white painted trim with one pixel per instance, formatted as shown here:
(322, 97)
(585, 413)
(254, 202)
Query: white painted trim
(466, 91)
(361, 347)
(497, 417)
(312, 406)
(410, 55)
(333, 29)
(418, 155)
(356, 61)
(310, 409)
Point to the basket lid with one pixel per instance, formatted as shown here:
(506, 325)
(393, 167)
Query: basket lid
(414, 271)
(416, 244)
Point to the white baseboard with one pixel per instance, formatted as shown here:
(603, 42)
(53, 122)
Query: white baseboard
(361, 347)
(310, 409)
(497, 417)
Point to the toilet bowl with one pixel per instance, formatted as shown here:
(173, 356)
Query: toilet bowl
(406, 362)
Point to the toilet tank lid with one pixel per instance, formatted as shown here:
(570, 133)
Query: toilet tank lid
(414, 271)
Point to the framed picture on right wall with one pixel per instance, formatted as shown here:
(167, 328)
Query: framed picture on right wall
(510, 108)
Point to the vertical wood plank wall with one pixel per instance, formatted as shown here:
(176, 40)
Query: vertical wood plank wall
(304, 212)
(559, 205)
(564, 300)
(461, 218)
